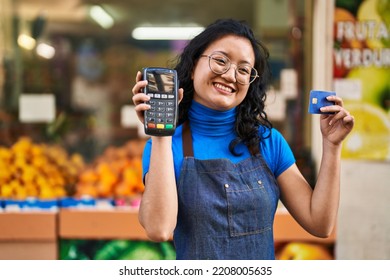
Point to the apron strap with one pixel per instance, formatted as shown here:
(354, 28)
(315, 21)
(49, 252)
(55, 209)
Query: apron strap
(187, 140)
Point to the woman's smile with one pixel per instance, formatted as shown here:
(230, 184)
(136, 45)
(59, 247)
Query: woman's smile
(223, 88)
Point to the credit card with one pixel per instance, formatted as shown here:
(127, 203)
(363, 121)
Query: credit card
(318, 100)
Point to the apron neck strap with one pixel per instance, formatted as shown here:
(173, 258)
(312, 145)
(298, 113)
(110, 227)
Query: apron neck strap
(187, 140)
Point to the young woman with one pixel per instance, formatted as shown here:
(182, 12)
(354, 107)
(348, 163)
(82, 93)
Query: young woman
(216, 182)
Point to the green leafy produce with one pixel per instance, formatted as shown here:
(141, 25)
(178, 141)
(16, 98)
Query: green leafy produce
(116, 250)
(143, 250)
(72, 250)
(168, 251)
(112, 250)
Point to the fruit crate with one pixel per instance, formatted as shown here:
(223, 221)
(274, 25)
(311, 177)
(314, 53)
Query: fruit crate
(100, 224)
(28, 235)
(286, 229)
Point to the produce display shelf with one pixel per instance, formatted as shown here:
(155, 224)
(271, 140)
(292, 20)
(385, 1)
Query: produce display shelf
(28, 235)
(28, 226)
(100, 224)
(117, 224)
(35, 235)
(286, 229)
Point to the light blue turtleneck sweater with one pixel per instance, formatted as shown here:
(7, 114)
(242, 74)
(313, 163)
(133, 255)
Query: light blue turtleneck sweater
(212, 131)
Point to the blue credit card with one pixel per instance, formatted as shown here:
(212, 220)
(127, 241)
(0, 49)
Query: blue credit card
(318, 100)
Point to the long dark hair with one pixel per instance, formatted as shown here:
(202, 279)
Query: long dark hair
(250, 113)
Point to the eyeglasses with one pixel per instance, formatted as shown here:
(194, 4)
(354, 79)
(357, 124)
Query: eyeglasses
(220, 64)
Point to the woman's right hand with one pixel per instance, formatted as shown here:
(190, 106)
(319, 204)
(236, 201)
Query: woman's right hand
(140, 98)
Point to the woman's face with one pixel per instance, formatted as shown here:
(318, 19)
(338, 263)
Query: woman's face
(222, 92)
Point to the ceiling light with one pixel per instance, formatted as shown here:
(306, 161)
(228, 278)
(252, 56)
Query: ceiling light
(103, 18)
(45, 50)
(26, 41)
(166, 33)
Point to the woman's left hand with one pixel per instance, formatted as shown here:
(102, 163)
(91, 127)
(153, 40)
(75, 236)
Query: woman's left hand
(335, 127)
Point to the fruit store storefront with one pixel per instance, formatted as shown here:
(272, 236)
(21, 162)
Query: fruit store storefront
(71, 146)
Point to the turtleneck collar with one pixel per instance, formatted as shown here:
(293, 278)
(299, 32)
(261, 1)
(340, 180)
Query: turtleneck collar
(211, 122)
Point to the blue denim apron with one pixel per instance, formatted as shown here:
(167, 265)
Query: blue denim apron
(226, 210)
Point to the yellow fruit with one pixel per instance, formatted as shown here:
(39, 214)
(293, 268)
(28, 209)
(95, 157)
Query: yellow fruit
(59, 192)
(32, 190)
(304, 251)
(5, 173)
(7, 191)
(37, 150)
(5, 155)
(20, 162)
(23, 145)
(47, 193)
(77, 160)
(375, 83)
(39, 161)
(28, 174)
(370, 137)
(21, 193)
(30, 170)
(368, 12)
(130, 176)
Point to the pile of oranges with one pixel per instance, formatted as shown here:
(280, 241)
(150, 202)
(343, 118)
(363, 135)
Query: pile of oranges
(117, 173)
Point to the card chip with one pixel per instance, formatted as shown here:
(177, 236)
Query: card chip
(314, 100)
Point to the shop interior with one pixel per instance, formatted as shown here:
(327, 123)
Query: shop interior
(65, 99)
